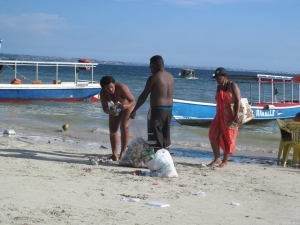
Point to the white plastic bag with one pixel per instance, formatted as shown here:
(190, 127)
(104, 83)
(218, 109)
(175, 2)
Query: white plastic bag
(162, 164)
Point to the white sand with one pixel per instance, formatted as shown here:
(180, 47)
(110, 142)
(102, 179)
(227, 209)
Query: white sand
(49, 183)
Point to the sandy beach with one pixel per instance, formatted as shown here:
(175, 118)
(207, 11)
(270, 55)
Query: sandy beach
(51, 182)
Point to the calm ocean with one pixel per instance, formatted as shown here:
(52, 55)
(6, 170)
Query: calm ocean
(87, 120)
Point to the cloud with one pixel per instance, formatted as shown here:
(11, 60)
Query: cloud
(40, 23)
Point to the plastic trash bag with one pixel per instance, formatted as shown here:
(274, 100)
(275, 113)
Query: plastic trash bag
(136, 154)
(162, 164)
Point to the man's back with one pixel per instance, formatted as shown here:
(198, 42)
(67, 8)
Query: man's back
(162, 89)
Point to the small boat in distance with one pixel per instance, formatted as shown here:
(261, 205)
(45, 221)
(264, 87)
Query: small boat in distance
(267, 104)
(187, 73)
(58, 88)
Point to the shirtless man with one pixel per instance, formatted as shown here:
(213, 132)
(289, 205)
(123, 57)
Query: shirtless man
(161, 86)
(117, 92)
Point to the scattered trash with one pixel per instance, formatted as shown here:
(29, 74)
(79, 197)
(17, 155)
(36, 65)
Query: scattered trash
(202, 165)
(157, 204)
(139, 196)
(105, 160)
(130, 199)
(88, 170)
(234, 203)
(137, 173)
(144, 173)
(256, 189)
(200, 193)
(9, 132)
(148, 173)
(103, 147)
(94, 160)
(289, 162)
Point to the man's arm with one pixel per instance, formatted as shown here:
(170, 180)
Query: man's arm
(143, 96)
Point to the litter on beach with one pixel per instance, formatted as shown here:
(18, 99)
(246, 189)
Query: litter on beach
(234, 203)
(200, 193)
(130, 199)
(9, 132)
(157, 204)
(202, 165)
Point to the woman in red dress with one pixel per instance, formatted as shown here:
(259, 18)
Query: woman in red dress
(224, 127)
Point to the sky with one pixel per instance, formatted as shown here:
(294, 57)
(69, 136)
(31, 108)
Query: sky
(244, 34)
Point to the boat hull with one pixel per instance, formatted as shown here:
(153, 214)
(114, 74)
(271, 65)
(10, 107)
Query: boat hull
(59, 93)
(198, 113)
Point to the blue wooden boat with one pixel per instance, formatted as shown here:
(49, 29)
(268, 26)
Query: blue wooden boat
(57, 88)
(264, 105)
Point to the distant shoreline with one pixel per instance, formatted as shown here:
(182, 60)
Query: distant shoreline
(119, 63)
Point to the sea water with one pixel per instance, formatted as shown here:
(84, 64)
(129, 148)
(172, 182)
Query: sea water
(87, 121)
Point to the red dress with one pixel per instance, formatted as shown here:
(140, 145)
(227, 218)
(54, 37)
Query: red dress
(219, 128)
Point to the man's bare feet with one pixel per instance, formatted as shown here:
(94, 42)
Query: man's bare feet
(215, 162)
(113, 158)
(223, 165)
(121, 155)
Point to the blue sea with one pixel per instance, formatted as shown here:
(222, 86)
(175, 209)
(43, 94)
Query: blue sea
(88, 122)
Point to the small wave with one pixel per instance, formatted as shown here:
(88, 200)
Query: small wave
(193, 78)
(191, 144)
(101, 131)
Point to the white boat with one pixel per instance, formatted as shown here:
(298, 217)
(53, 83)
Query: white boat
(57, 88)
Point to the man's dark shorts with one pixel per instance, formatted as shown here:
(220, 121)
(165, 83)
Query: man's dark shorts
(159, 120)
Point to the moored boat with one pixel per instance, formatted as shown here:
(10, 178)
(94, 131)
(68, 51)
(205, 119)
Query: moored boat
(95, 98)
(267, 104)
(187, 73)
(57, 88)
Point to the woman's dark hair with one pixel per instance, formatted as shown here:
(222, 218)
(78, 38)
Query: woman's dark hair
(106, 80)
